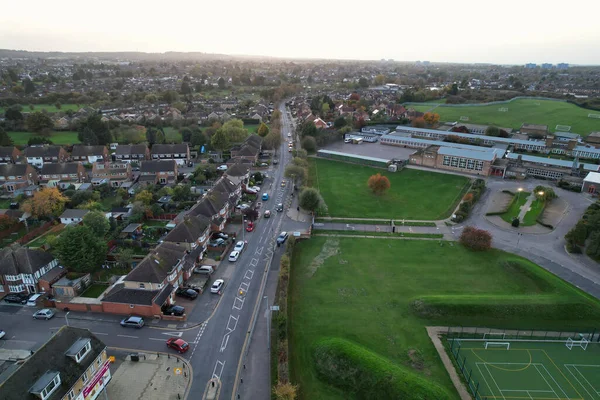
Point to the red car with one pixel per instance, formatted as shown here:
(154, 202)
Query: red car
(250, 226)
(178, 344)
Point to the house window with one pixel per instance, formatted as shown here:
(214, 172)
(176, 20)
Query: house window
(51, 387)
(454, 162)
(462, 163)
(71, 395)
(99, 360)
(83, 352)
(92, 369)
(84, 377)
(446, 160)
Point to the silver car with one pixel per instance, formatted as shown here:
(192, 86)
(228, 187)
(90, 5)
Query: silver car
(46, 314)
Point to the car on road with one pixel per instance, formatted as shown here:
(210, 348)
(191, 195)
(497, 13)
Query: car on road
(217, 242)
(239, 246)
(267, 214)
(17, 298)
(289, 134)
(46, 314)
(133, 322)
(178, 344)
(279, 207)
(217, 286)
(222, 168)
(283, 183)
(265, 196)
(234, 255)
(2, 333)
(178, 311)
(250, 226)
(187, 293)
(282, 237)
(289, 149)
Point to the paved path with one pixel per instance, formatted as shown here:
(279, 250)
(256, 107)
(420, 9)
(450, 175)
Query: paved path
(434, 333)
(525, 207)
(440, 228)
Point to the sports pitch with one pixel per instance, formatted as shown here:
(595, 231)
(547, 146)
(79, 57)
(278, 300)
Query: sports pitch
(534, 370)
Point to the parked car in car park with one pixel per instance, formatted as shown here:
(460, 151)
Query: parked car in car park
(46, 314)
(239, 246)
(133, 322)
(17, 298)
(282, 237)
(178, 311)
(233, 256)
(187, 293)
(217, 286)
(178, 344)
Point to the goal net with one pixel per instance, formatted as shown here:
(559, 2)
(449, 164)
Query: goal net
(563, 128)
(583, 343)
(498, 344)
(494, 335)
(464, 118)
(503, 109)
(594, 115)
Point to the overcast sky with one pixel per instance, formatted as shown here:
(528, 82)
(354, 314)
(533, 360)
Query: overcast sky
(505, 31)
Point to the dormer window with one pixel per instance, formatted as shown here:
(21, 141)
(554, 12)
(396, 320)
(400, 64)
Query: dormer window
(46, 385)
(79, 349)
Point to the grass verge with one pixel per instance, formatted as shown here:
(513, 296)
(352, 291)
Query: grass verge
(515, 207)
(384, 234)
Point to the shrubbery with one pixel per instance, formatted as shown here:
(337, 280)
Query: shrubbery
(469, 200)
(567, 186)
(476, 239)
(587, 227)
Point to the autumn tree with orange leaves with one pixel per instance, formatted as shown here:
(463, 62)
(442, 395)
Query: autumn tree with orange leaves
(378, 183)
(431, 118)
(46, 203)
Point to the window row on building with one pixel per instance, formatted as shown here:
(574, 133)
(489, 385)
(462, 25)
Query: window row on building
(464, 163)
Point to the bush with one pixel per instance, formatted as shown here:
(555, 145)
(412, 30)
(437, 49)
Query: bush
(368, 375)
(309, 144)
(515, 222)
(476, 239)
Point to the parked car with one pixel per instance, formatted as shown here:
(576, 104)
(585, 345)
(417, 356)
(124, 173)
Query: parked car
(187, 293)
(46, 314)
(222, 168)
(191, 287)
(265, 196)
(178, 311)
(264, 164)
(239, 246)
(32, 301)
(283, 183)
(222, 235)
(279, 207)
(234, 255)
(282, 237)
(257, 188)
(243, 206)
(251, 191)
(267, 214)
(275, 161)
(178, 344)
(250, 226)
(204, 269)
(18, 298)
(217, 286)
(133, 322)
(217, 242)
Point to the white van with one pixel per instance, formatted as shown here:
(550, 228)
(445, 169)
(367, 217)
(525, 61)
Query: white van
(32, 302)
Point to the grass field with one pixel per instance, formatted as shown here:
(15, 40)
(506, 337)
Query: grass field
(49, 108)
(172, 135)
(533, 370)
(515, 207)
(57, 137)
(367, 291)
(534, 212)
(414, 194)
(521, 111)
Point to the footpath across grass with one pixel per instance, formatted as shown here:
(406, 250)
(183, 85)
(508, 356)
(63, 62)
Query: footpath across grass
(380, 294)
(514, 209)
(414, 194)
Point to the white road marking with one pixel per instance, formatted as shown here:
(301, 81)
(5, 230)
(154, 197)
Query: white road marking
(159, 339)
(254, 262)
(249, 272)
(215, 369)
(177, 334)
(224, 343)
(238, 303)
(127, 336)
(231, 317)
(259, 251)
(100, 333)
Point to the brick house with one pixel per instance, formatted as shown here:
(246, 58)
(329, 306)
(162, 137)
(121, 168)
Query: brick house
(178, 152)
(132, 152)
(248, 150)
(158, 172)
(89, 154)
(17, 176)
(9, 154)
(63, 175)
(39, 155)
(320, 124)
(21, 268)
(114, 174)
(152, 283)
(193, 232)
(534, 130)
(218, 203)
(71, 365)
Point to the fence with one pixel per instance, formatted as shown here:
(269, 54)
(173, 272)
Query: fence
(491, 103)
(36, 232)
(468, 333)
(466, 370)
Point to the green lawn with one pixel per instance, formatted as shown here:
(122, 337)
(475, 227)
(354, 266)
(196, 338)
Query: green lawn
(384, 234)
(49, 108)
(57, 137)
(172, 135)
(5, 203)
(94, 291)
(515, 207)
(376, 293)
(158, 223)
(534, 212)
(521, 111)
(252, 128)
(414, 194)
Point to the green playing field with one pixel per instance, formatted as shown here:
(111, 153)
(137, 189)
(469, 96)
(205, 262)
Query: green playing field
(534, 370)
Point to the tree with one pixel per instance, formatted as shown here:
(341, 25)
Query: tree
(13, 113)
(45, 203)
(198, 138)
(151, 135)
(453, 89)
(295, 172)
(308, 128)
(185, 88)
(97, 222)
(492, 131)
(309, 144)
(145, 197)
(58, 105)
(378, 183)
(28, 86)
(263, 130)
(5, 140)
(419, 122)
(219, 140)
(182, 192)
(363, 82)
(285, 391)
(234, 131)
(87, 137)
(273, 140)
(251, 214)
(99, 129)
(431, 118)
(339, 122)
(125, 257)
(310, 199)
(544, 193)
(151, 98)
(379, 79)
(476, 239)
(38, 121)
(221, 83)
(79, 249)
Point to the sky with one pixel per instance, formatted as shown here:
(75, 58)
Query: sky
(469, 31)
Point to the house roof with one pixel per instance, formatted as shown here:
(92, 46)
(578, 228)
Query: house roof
(163, 295)
(157, 265)
(170, 148)
(60, 168)
(13, 170)
(247, 151)
(42, 151)
(6, 151)
(121, 294)
(592, 177)
(468, 153)
(52, 275)
(131, 228)
(237, 169)
(254, 141)
(205, 207)
(128, 149)
(74, 213)
(51, 357)
(534, 126)
(15, 260)
(158, 166)
(80, 150)
(188, 230)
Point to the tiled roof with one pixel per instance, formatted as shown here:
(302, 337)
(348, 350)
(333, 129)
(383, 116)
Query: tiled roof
(181, 148)
(121, 294)
(157, 265)
(13, 170)
(80, 150)
(128, 149)
(15, 260)
(42, 151)
(158, 166)
(189, 230)
(60, 168)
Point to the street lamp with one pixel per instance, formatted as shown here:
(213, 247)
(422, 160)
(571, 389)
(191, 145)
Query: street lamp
(268, 316)
(66, 317)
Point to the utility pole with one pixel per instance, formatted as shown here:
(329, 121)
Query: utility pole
(268, 316)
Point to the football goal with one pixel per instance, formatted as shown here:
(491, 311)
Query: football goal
(594, 115)
(464, 118)
(503, 109)
(494, 335)
(563, 128)
(499, 344)
(583, 343)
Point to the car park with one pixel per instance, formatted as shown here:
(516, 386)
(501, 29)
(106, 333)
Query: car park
(265, 196)
(178, 311)
(133, 322)
(17, 298)
(239, 246)
(250, 226)
(282, 237)
(178, 344)
(217, 286)
(187, 293)
(267, 214)
(279, 207)
(234, 255)
(46, 314)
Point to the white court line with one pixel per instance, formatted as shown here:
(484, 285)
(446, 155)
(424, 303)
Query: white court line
(544, 378)
(100, 333)
(496, 383)
(529, 395)
(561, 389)
(127, 336)
(524, 390)
(580, 384)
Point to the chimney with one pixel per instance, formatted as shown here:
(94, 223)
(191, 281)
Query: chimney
(549, 140)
